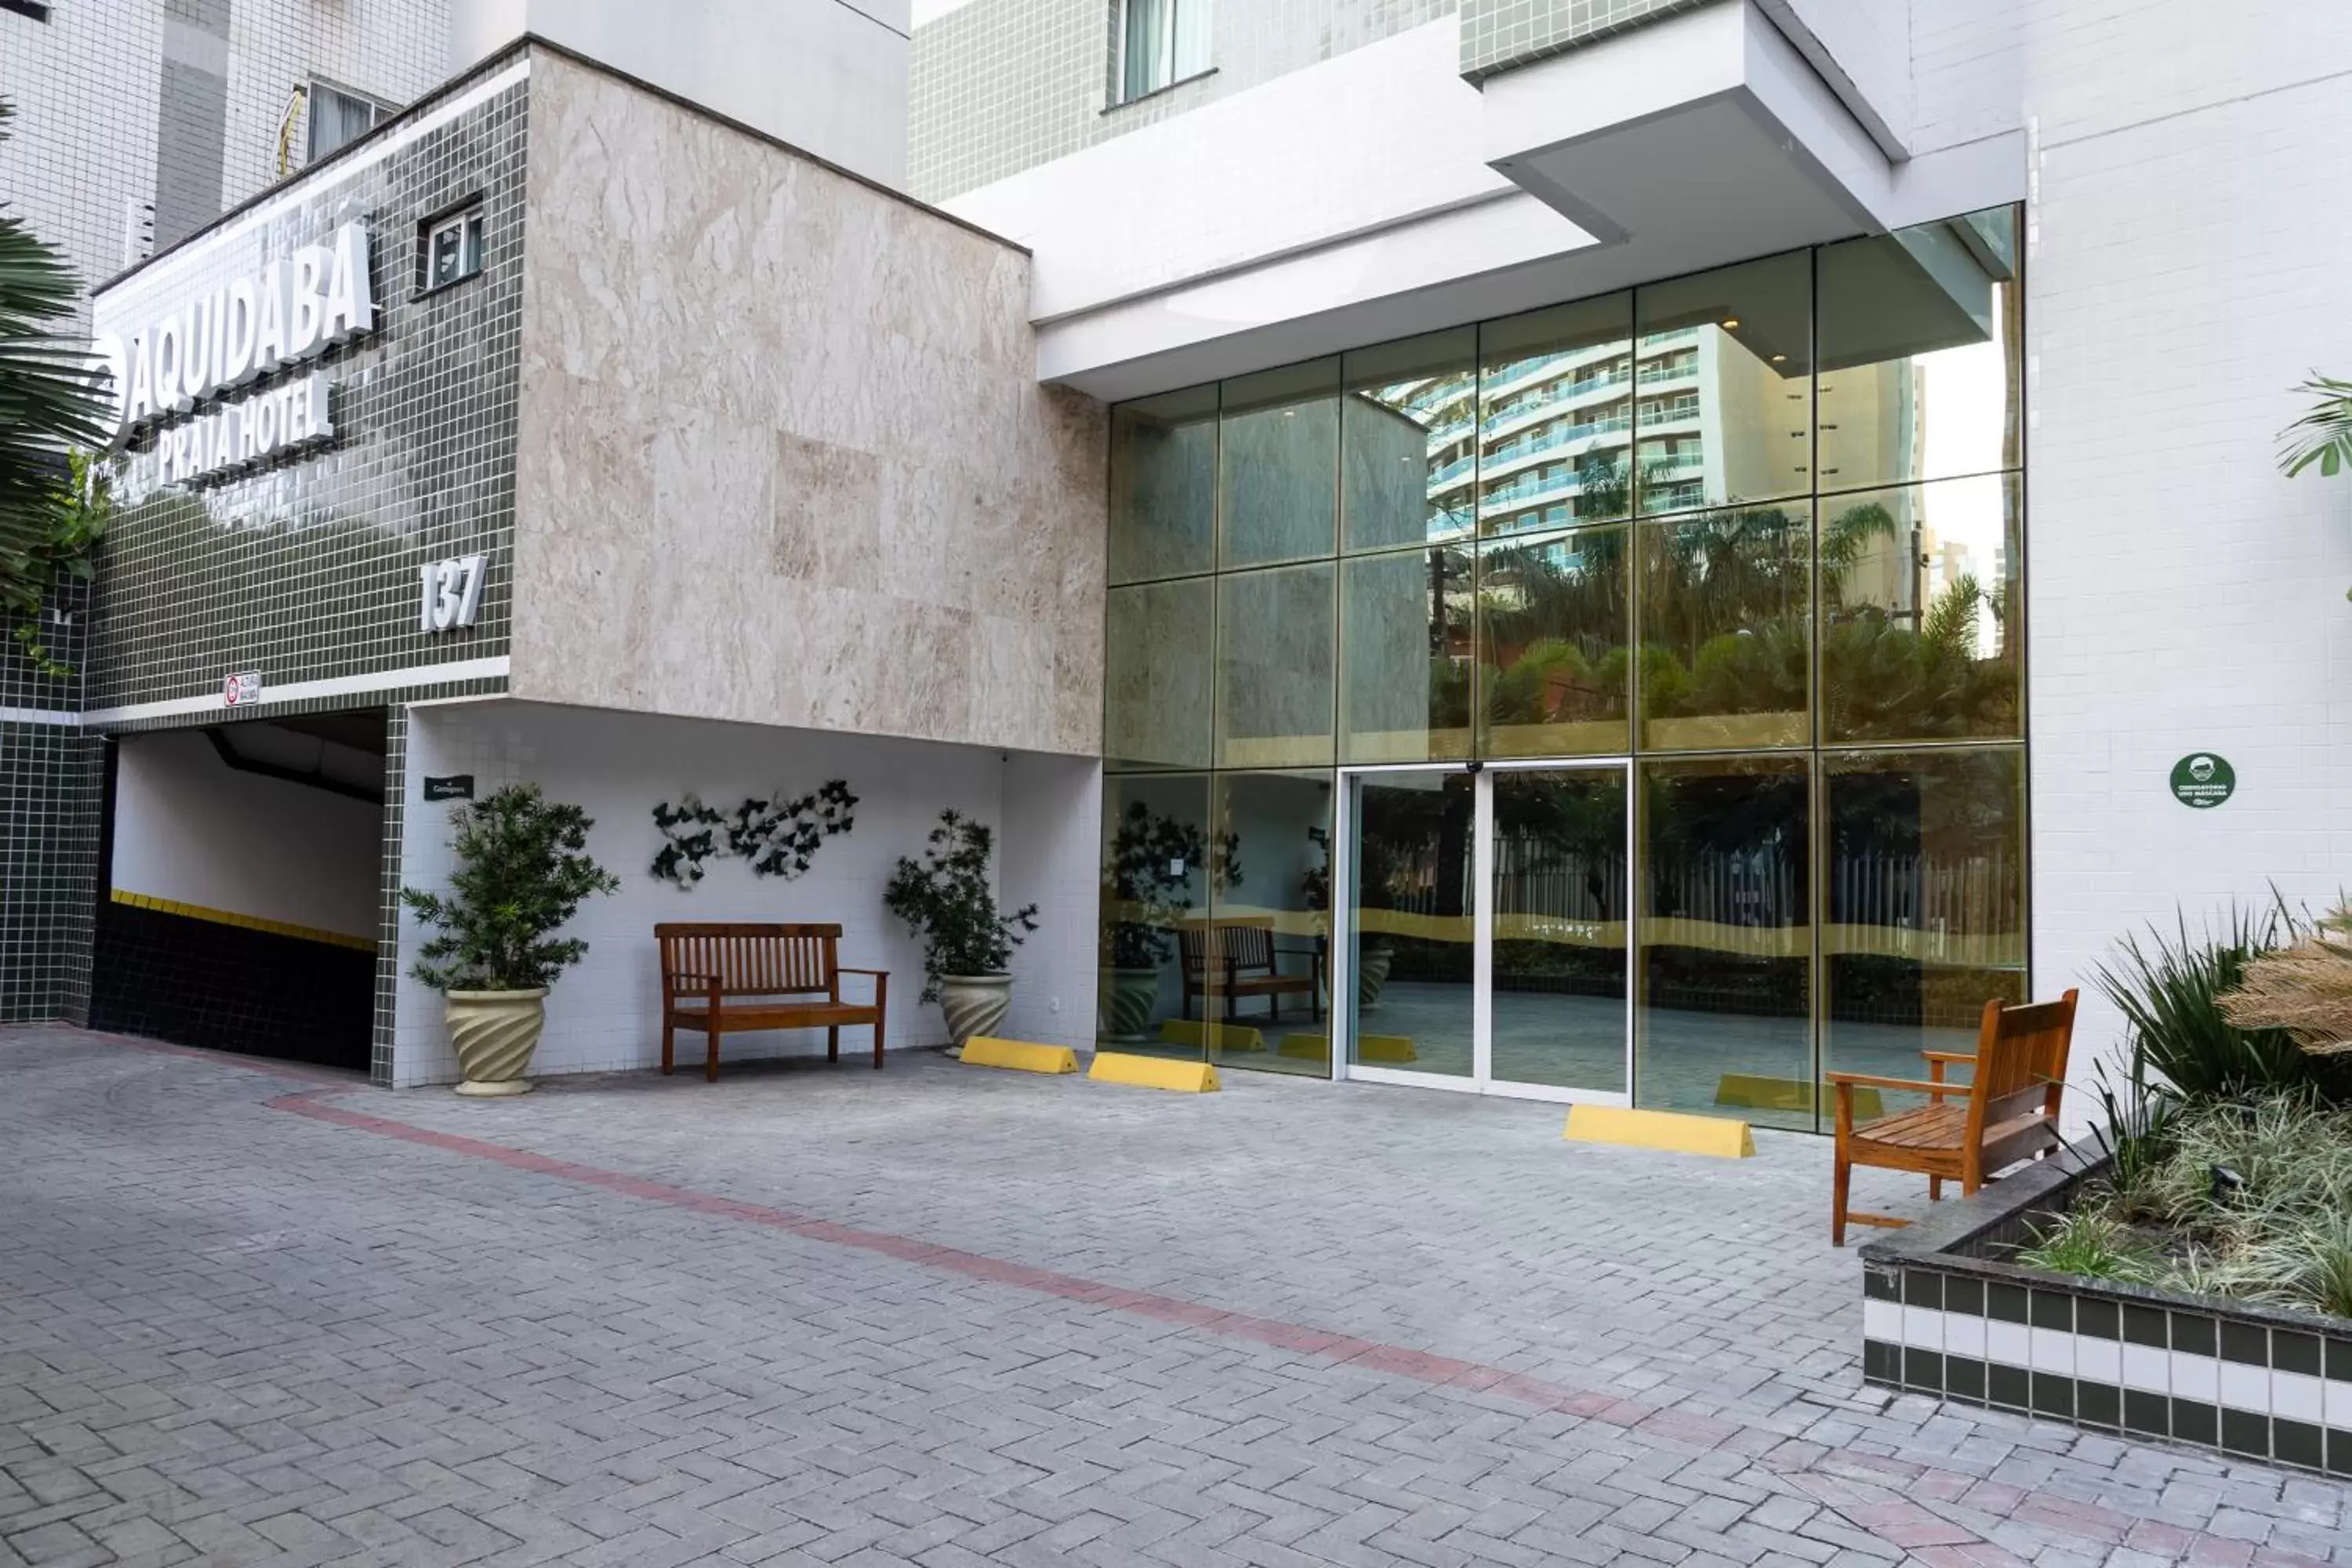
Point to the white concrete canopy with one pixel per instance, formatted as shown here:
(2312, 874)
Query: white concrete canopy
(1200, 247)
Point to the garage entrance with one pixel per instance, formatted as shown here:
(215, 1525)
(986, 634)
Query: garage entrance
(242, 869)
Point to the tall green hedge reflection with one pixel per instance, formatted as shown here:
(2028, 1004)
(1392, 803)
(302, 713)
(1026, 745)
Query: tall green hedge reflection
(1554, 621)
(1922, 612)
(1726, 637)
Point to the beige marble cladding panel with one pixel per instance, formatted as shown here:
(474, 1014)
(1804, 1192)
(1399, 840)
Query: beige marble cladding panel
(784, 458)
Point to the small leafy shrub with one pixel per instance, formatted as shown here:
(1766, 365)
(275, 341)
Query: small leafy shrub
(522, 873)
(946, 900)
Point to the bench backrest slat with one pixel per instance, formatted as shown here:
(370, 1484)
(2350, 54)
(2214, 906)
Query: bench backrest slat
(750, 960)
(2021, 1067)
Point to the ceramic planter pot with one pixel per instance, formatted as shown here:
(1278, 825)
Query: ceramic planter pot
(1129, 996)
(1371, 974)
(974, 1003)
(495, 1033)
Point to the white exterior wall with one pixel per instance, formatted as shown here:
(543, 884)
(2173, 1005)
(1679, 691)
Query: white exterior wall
(190, 829)
(2187, 224)
(604, 1015)
(2183, 277)
(827, 76)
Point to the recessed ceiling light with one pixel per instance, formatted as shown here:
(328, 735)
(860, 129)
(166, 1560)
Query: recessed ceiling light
(1731, 323)
(1779, 359)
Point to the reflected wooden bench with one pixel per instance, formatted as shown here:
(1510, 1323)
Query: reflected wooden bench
(1237, 959)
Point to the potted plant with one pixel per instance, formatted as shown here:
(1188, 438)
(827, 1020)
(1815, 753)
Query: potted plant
(522, 873)
(1144, 892)
(1375, 954)
(946, 900)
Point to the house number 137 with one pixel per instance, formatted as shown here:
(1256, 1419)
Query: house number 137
(449, 594)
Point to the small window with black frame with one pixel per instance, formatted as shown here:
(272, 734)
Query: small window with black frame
(452, 248)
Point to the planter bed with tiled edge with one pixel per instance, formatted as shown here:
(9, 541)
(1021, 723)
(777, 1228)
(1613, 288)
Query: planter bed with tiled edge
(1943, 1315)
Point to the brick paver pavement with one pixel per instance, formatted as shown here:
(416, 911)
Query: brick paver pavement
(943, 1316)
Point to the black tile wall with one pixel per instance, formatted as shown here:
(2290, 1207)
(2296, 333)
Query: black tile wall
(50, 782)
(200, 982)
(2254, 1339)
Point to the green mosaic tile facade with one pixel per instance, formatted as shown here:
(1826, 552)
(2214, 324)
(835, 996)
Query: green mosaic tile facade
(308, 569)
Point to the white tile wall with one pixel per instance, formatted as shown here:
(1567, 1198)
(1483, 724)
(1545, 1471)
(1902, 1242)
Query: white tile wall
(87, 86)
(604, 1015)
(2184, 598)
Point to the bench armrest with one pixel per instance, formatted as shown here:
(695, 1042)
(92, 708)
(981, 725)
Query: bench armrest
(1949, 1056)
(881, 978)
(1915, 1085)
(699, 982)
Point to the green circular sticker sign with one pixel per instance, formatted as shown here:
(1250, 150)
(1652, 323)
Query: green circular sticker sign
(2203, 781)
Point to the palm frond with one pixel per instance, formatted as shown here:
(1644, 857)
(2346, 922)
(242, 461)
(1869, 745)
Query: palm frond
(2324, 434)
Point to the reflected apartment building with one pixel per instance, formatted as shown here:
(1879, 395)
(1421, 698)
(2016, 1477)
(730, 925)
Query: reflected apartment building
(1585, 653)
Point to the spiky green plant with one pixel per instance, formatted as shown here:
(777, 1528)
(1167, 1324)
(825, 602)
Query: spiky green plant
(2323, 434)
(2169, 989)
(53, 401)
(2092, 1243)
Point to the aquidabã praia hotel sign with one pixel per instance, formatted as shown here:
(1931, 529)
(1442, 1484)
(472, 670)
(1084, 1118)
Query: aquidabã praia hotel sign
(205, 346)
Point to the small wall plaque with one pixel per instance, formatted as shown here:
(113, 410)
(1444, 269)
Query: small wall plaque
(2203, 781)
(457, 787)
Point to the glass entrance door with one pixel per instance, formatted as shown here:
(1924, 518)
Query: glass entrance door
(1488, 925)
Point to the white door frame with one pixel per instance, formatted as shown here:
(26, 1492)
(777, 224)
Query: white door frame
(1481, 1078)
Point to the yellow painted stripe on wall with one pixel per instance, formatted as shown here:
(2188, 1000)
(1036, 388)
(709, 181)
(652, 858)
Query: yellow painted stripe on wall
(250, 922)
(2004, 950)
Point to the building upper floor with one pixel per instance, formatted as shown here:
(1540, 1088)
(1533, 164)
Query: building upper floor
(1211, 188)
(560, 386)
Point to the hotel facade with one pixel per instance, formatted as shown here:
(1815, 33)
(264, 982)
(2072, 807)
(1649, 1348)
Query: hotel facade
(1635, 552)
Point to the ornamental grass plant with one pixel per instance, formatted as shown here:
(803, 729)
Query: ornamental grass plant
(2248, 1198)
(2229, 1168)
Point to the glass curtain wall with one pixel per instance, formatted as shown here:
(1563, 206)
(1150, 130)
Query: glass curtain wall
(1759, 529)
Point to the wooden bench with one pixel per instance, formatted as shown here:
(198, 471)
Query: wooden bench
(1237, 959)
(2011, 1113)
(724, 979)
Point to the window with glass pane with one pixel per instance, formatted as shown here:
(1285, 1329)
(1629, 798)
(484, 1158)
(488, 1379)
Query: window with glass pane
(1724, 1009)
(1560, 891)
(1156, 680)
(1723, 392)
(1276, 632)
(1405, 656)
(1409, 442)
(1155, 886)
(338, 119)
(1556, 417)
(1413, 921)
(1922, 605)
(1554, 633)
(1268, 940)
(1925, 885)
(453, 248)
(1278, 472)
(1726, 630)
(1163, 486)
(1920, 376)
(1164, 41)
